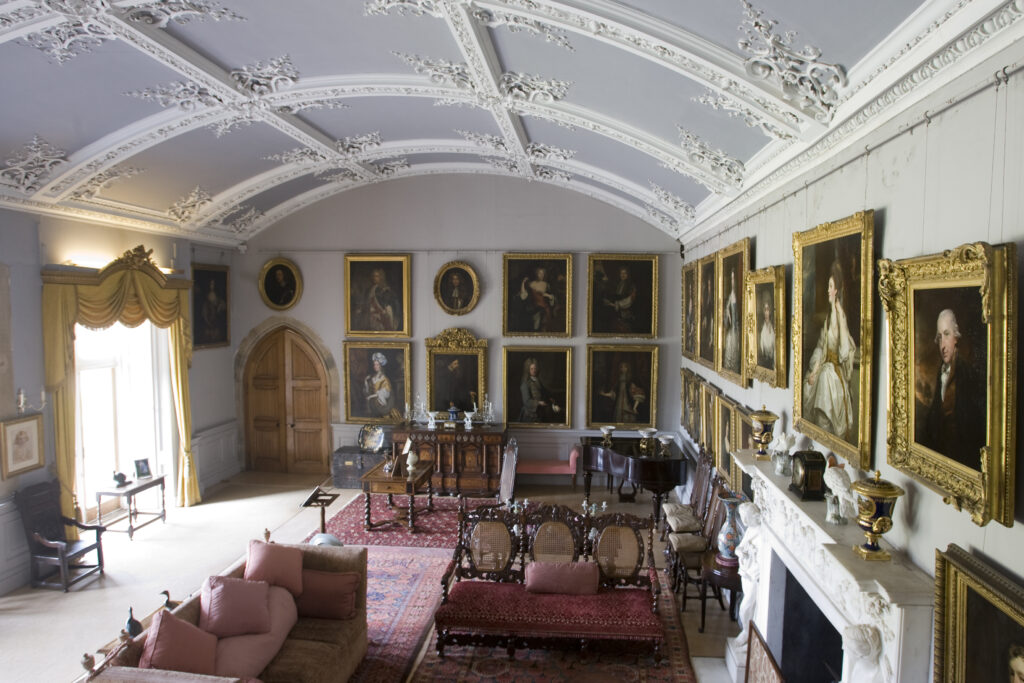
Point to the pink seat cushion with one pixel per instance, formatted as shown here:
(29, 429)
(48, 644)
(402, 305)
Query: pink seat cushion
(233, 607)
(175, 644)
(246, 656)
(275, 564)
(568, 578)
(486, 606)
(545, 467)
(328, 595)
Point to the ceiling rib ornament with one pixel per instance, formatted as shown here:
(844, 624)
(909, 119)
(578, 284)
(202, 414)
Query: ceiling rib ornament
(538, 150)
(160, 13)
(715, 161)
(684, 210)
(14, 18)
(301, 156)
(665, 221)
(79, 33)
(262, 78)
(551, 175)
(103, 179)
(414, 7)
(358, 144)
(507, 164)
(440, 71)
(812, 84)
(736, 109)
(185, 95)
(390, 167)
(243, 223)
(494, 18)
(490, 142)
(520, 86)
(185, 208)
(341, 175)
(26, 169)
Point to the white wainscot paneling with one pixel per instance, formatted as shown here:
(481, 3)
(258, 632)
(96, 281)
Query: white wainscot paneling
(14, 561)
(215, 451)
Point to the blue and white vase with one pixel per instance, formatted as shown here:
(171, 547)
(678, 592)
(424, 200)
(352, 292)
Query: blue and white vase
(729, 536)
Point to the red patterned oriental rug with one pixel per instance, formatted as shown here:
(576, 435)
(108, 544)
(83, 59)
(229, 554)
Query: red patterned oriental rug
(433, 530)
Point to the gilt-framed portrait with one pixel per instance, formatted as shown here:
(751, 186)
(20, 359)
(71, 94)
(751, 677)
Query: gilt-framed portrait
(377, 295)
(725, 428)
(832, 335)
(622, 385)
(537, 295)
(21, 439)
(689, 312)
(456, 370)
(767, 328)
(211, 325)
(709, 422)
(280, 283)
(456, 288)
(952, 370)
(979, 620)
(622, 295)
(690, 390)
(377, 381)
(537, 383)
(733, 263)
(706, 311)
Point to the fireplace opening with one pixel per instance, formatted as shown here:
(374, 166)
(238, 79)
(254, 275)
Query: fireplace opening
(812, 649)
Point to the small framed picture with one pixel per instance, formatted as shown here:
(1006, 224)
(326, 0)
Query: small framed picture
(538, 386)
(377, 287)
(22, 442)
(622, 386)
(456, 288)
(767, 325)
(210, 321)
(622, 295)
(538, 295)
(280, 284)
(377, 385)
(142, 470)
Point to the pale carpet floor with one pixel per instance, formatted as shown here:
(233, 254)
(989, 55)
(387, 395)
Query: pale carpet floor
(43, 633)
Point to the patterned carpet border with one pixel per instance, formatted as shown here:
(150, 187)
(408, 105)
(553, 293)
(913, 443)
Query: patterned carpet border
(403, 590)
(481, 664)
(434, 530)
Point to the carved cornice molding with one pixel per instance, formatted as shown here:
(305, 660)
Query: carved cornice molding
(36, 160)
(102, 179)
(684, 211)
(736, 109)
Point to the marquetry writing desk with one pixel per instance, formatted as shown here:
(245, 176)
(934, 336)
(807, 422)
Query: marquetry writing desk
(377, 481)
(129, 492)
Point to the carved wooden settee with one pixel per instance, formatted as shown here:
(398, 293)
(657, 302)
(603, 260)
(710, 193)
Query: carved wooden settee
(504, 586)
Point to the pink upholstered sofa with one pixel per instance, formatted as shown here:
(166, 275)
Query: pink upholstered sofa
(315, 650)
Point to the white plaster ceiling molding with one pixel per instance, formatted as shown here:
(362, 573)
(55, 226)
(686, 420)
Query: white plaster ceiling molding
(716, 162)
(490, 142)
(683, 210)
(390, 167)
(357, 144)
(159, 13)
(185, 208)
(102, 179)
(36, 160)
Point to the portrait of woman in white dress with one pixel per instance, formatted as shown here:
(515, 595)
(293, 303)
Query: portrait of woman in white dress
(377, 388)
(826, 384)
(731, 322)
(766, 337)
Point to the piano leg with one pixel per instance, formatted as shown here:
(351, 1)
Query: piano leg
(587, 476)
(627, 497)
(656, 501)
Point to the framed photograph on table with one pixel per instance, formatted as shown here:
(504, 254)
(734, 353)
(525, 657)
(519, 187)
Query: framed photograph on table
(537, 295)
(456, 370)
(689, 312)
(142, 470)
(537, 382)
(979, 620)
(732, 265)
(377, 295)
(456, 288)
(211, 326)
(622, 386)
(622, 295)
(767, 328)
(952, 370)
(377, 384)
(280, 284)
(832, 335)
(22, 441)
(706, 311)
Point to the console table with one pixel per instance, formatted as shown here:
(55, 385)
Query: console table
(464, 461)
(129, 491)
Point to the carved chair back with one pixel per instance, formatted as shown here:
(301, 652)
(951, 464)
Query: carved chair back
(619, 548)
(701, 493)
(489, 544)
(555, 533)
(39, 506)
(716, 510)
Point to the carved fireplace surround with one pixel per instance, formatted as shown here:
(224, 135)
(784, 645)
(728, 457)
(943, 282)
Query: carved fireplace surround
(883, 610)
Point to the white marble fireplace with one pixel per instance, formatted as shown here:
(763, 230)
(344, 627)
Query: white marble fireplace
(891, 602)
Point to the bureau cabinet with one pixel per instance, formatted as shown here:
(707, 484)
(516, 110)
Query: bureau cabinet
(466, 462)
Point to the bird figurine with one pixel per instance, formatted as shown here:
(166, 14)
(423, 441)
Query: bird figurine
(88, 662)
(168, 603)
(133, 626)
(120, 478)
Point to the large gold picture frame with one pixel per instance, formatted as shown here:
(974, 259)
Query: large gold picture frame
(952, 366)
(706, 311)
(832, 335)
(456, 288)
(731, 265)
(725, 431)
(622, 295)
(377, 381)
(537, 382)
(708, 422)
(767, 327)
(689, 312)
(377, 291)
(622, 385)
(690, 390)
(979, 620)
(456, 370)
(537, 295)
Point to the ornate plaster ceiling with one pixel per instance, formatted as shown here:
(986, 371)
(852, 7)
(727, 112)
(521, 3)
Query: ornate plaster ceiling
(213, 120)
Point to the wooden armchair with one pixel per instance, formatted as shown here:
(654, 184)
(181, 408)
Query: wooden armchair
(689, 517)
(488, 546)
(39, 506)
(555, 533)
(685, 550)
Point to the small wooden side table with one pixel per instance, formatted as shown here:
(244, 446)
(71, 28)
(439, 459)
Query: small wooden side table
(129, 491)
(718, 576)
(377, 481)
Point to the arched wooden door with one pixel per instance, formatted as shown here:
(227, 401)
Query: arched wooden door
(286, 392)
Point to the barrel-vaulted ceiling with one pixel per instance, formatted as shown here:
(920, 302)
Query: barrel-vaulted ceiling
(213, 119)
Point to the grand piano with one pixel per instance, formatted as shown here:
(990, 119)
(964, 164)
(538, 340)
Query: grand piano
(625, 460)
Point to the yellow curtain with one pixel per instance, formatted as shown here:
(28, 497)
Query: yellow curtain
(130, 291)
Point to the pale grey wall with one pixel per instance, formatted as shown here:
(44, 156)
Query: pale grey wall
(933, 186)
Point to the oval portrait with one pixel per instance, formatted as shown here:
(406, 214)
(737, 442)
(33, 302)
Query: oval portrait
(280, 283)
(456, 288)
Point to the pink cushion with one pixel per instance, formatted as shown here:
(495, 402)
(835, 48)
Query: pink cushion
(175, 644)
(328, 595)
(246, 656)
(233, 607)
(568, 578)
(276, 564)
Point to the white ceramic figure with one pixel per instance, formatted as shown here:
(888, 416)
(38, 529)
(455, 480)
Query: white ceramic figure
(468, 419)
(863, 645)
(748, 552)
(838, 481)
